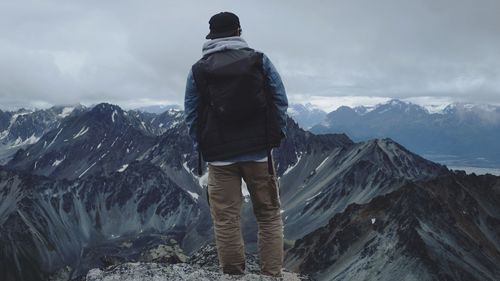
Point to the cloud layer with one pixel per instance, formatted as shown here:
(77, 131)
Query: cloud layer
(136, 53)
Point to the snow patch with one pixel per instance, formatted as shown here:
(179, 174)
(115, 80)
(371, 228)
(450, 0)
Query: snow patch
(14, 117)
(54, 138)
(86, 170)
(81, 132)
(31, 140)
(321, 164)
(194, 195)
(123, 168)
(293, 166)
(175, 123)
(66, 111)
(374, 220)
(113, 116)
(4, 134)
(203, 180)
(114, 142)
(57, 161)
(186, 167)
(314, 196)
(102, 156)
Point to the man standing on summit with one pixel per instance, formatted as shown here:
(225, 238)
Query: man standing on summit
(235, 106)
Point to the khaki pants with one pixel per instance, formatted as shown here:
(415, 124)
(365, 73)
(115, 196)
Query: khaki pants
(224, 190)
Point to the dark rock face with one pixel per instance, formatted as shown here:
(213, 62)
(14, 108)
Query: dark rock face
(443, 229)
(5, 117)
(50, 223)
(323, 183)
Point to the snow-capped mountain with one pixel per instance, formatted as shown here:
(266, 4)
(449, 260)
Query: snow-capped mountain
(306, 115)
(458, 135)
(447, 228)
(23, 127)
(159, 109)
(97, 142)
(169, 119)
(157, 124)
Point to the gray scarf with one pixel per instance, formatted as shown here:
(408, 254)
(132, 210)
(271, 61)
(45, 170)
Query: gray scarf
(225, 43)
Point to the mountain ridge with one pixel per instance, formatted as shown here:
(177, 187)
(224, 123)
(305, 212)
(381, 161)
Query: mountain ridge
(418, 223)
(462, 135)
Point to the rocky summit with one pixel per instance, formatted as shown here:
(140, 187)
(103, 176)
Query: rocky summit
(201, 266)
(175, 272)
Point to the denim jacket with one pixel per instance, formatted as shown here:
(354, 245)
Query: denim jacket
(191, 98)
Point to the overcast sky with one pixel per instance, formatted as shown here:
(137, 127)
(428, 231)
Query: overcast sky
(136, 53)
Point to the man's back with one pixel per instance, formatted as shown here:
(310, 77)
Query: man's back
(235, 108)
(236, 112)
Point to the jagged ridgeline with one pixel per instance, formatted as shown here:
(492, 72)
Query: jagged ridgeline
(90, 183)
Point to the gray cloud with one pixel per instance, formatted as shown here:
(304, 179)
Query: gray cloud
(136, 53)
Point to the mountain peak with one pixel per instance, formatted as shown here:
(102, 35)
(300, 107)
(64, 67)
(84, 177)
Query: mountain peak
(109, 113)
(307, 115)
(399, 102)
(104, 106)
(159, 108)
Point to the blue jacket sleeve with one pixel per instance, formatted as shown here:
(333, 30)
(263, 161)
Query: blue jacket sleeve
(191, 101)
(277, 90)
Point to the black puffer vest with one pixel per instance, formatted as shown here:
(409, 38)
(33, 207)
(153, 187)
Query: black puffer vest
(236, 112)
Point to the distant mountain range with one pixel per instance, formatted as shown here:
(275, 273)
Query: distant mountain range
(23, 127)
(158, 109)
(306, 115)
(458, 135)
(103, 180)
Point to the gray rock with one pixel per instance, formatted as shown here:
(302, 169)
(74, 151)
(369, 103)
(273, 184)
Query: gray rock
(202, 265)
(175, 272)
(165, 254)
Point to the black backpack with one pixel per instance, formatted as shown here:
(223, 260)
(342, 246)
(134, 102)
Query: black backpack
(236, 112)
(233, 84)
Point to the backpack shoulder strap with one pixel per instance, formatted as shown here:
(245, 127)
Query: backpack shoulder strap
(202, 86)
(267, 92)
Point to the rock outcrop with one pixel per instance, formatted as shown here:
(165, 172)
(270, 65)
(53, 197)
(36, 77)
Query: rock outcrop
(201, 266)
